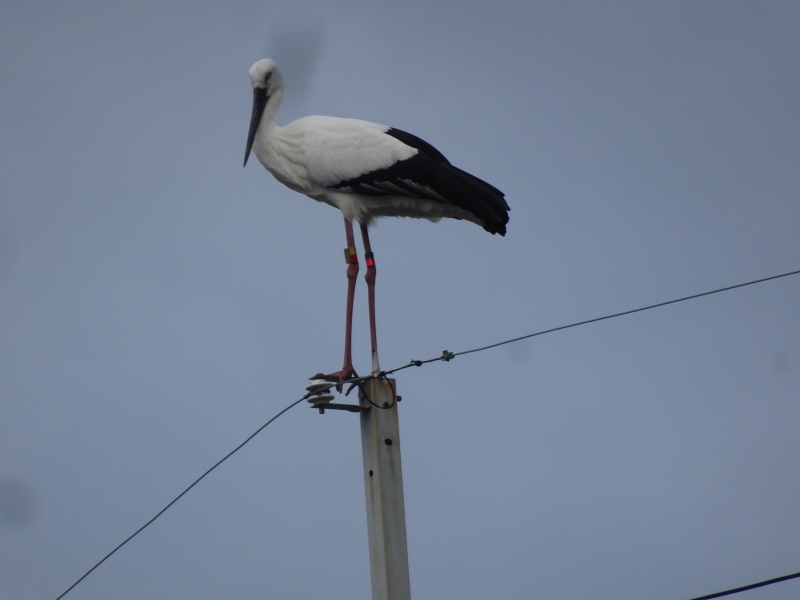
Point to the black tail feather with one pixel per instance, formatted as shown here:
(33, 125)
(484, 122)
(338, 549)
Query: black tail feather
(481, 199)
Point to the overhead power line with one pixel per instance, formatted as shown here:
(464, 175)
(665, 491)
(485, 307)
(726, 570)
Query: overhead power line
(179, 496)
(744, 588)
(446, 356)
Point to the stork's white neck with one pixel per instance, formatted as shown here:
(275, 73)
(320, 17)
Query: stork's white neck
(279, 152)
(271, 109)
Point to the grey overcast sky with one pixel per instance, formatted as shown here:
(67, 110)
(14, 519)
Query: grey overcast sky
(158, 303)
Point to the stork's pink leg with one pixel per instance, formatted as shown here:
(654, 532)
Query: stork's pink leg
(370, 279)
(352, 273)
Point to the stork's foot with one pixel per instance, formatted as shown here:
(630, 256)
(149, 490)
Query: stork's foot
(339, 378)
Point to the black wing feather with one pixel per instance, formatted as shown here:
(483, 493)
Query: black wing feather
(429, 175)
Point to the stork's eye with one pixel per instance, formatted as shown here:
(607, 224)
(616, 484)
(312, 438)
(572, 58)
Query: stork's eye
(266, 77)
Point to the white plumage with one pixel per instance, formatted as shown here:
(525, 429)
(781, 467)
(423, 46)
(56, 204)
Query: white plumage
(364, 169)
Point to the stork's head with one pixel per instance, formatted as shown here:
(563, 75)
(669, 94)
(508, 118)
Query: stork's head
(265, 74)
(267, 83)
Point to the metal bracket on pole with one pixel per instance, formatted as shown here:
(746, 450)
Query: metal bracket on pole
(383, 482)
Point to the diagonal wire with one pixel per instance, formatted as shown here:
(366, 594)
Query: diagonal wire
(744, 588)
(181, 495)
(447, 355)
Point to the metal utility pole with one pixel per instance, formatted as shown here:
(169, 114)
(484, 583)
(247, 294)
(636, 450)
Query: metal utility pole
(383, 480)
(383, 483)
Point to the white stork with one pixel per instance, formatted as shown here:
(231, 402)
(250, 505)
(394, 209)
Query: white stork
(365, 170)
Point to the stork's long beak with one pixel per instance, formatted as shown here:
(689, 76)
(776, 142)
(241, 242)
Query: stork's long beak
(260, 98)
